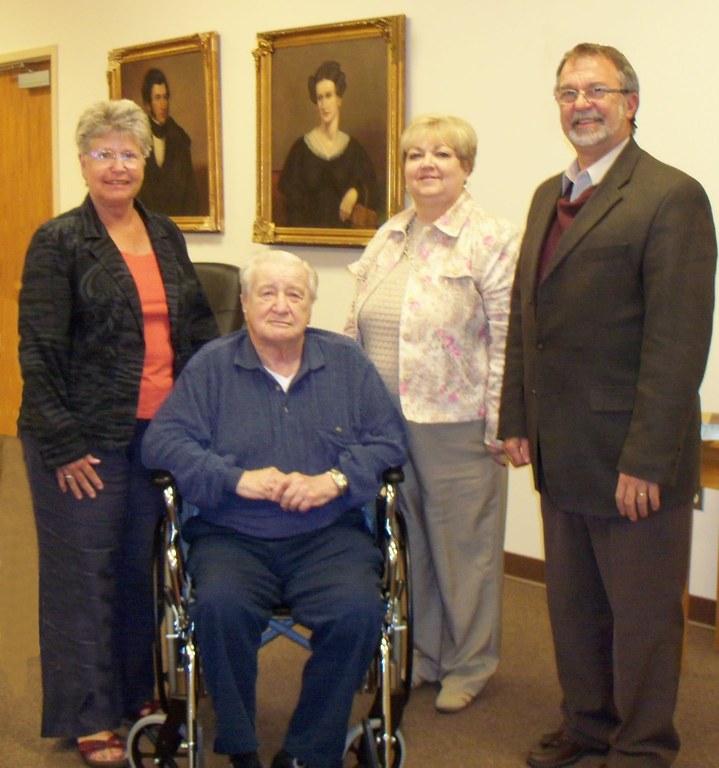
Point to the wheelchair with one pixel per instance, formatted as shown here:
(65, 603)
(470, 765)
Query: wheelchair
(172, 737)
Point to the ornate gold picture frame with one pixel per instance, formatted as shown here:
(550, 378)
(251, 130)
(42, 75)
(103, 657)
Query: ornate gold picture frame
(178, 83)
(330, 113)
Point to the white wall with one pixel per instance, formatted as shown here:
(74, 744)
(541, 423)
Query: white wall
(491, 63)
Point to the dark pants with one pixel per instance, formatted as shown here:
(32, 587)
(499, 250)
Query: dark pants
(330, 580)
(96, 615)
(615, 592)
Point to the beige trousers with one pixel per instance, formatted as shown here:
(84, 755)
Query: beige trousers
(455, 498)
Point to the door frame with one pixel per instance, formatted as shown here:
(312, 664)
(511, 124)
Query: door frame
(28, 57)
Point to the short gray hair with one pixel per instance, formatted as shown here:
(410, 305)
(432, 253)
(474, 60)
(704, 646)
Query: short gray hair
(248, 271)
(114, 116)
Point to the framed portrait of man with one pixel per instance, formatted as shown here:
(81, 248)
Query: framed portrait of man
(330, 113)
(177, 83)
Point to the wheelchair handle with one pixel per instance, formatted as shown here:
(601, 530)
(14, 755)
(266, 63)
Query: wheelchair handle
(162, 478)
(393, 475)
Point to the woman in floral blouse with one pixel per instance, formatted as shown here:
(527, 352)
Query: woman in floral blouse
(431, 309)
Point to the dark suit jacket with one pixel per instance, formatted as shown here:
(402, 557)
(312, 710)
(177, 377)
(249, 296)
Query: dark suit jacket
(605, 358)
(82, 347)
(172, 189)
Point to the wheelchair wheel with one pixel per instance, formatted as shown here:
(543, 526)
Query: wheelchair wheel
(148, 746)
(363, 746)
(402, 641)
(163, 617)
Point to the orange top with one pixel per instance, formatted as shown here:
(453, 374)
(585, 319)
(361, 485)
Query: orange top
(157, 371)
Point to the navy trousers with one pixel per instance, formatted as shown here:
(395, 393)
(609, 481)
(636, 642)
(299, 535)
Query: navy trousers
(330, 581)
(96, 614)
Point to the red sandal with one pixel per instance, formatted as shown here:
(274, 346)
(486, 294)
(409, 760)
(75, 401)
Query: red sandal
(90, 749)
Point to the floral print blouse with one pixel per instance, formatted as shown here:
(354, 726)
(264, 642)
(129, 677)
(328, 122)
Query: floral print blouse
(454, 318)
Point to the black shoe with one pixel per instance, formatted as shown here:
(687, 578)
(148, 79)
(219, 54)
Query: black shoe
(245, 760)
(558, 749)
(283, 759)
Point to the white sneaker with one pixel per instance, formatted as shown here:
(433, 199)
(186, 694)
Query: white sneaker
(450, 700)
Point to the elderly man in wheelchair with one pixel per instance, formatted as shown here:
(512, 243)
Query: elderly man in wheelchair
(279, 434)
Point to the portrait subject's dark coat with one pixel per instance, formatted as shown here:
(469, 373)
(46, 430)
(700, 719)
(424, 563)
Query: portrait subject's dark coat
(314, 187)
(171, 189)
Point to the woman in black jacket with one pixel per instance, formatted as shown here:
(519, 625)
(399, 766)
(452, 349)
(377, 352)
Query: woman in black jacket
(110, 311)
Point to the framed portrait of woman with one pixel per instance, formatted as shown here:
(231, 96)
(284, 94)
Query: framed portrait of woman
(177, 83)
(330, 113)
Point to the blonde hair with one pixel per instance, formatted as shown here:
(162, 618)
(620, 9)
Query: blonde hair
(445, 129)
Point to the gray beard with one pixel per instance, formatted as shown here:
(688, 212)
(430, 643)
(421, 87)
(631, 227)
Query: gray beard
(588, 138)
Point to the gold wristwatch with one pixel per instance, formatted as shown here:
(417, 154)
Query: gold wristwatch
(340, 480)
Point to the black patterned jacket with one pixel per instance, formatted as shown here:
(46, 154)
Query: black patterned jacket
(82, 346)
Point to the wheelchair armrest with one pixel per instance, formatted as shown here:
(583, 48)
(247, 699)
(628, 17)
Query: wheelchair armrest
(162, 478)
(393, 475)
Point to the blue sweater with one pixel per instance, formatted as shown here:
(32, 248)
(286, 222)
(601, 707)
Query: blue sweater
(227, 414)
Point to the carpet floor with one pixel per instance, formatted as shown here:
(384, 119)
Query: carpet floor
(519, 703)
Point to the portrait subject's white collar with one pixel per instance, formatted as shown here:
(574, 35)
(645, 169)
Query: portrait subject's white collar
(318, 145)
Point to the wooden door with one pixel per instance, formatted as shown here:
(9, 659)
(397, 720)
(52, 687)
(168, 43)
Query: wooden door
(26, 200)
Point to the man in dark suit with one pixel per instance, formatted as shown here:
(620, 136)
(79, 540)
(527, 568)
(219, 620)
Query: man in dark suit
(609, 334)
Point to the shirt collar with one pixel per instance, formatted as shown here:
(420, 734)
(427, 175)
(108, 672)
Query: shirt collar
(246, 356)
(450, 222)
(594, 174)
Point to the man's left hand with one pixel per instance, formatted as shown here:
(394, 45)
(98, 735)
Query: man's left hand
(635, 497)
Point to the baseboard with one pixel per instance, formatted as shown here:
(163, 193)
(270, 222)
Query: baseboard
(701, 609)
(523, 567)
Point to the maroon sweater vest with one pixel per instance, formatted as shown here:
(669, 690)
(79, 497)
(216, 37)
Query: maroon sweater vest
(566, 213)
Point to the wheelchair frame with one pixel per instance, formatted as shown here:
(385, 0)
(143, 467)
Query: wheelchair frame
(173, 738)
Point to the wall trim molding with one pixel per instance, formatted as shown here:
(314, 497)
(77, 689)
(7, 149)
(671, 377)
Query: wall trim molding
(701, 609)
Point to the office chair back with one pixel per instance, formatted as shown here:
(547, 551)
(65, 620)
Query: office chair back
(221, 283)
